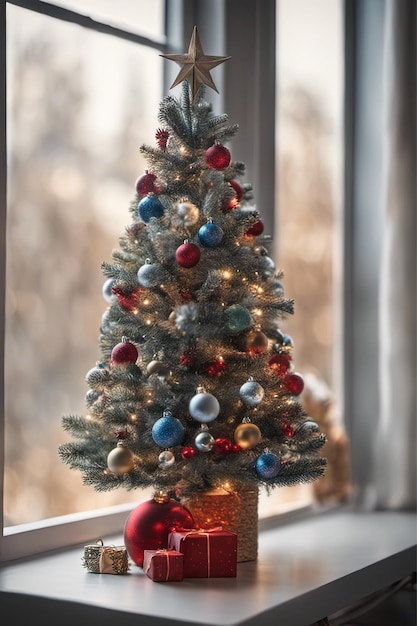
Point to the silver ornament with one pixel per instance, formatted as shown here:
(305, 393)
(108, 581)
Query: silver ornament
(120, 460)
(166, 459)
(186, 214)
(158, 368)
(204, 442)
(251, 393)
(107, 289)
(204, 407)
(150, 275)
(266, 266)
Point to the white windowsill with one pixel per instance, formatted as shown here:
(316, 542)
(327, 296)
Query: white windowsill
(306, 569)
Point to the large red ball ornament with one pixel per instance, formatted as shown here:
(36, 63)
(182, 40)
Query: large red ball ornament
(218, 157)
(149, 524)
(188, 254)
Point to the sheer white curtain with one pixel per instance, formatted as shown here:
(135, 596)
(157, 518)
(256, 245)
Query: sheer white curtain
(395, 449)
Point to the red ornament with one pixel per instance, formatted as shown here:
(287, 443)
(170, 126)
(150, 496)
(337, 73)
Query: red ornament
(223, 446)
(149, 524)
(288, 430)
(146, 184)
(161, 137)
(280, 364)
(216, 367)
(186, 296)
(294, 384)
(186, 359)
(188, 254)
(218, 157)
(236, 448)
(256, 229)
(231, 205)
(237, 188)
(123, 353)
(187, 452)
(128, 301)
(121, 433)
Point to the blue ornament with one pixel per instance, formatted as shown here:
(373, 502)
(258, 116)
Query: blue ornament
(150, 206)
(167, 431)
(267, 465)
(210, 235)
(238, 318)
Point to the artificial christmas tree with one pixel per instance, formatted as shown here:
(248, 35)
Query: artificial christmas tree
(195, 393)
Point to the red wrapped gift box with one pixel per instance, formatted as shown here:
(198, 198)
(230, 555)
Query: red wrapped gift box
(207, 553)
(163, 565)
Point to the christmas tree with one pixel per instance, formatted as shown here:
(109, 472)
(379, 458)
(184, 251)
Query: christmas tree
(196, 385)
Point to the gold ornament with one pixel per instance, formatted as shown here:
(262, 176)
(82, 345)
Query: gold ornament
(247, 435)
(195, 65)
(120, 460)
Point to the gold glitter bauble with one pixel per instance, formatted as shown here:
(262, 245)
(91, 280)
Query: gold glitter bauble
(247, 435)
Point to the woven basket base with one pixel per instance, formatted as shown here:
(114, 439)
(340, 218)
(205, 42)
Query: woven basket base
(235, 511)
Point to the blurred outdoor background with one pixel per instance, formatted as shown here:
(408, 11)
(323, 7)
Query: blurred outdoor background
(80, 104)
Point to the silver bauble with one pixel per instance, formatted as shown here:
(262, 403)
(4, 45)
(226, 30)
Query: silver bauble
(185, 215)
(266, 266)
(158, 368)
(150, 275)
(251, 393)
(204, 407)
(204, 442)
(120, 460)
(107, 289)
(166, 459)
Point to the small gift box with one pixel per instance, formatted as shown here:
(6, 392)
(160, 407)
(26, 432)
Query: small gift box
(163, 565)
(101, 559)
(207, 553)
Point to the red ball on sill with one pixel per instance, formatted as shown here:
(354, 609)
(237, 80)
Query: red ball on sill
(218, 157)
(149, 524)
(188, 254)
(294, 383)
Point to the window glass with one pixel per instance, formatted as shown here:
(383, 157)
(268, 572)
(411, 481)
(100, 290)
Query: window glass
(309, 190)
(139, 16)
(80, 104)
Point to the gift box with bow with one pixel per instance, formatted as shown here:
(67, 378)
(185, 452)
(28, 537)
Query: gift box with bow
(163, 565)
(207, 553)
(101, 559)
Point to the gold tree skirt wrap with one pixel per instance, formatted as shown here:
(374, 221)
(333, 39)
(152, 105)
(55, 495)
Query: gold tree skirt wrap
(235, 511)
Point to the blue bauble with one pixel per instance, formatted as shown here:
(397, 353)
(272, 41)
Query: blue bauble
(167, 431)
(210, 235)
(238, 318)
(150, 206)
(267, 465)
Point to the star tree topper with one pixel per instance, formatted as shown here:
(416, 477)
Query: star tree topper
(195, 65)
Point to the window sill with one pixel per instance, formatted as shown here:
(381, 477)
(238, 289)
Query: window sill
(306, 569)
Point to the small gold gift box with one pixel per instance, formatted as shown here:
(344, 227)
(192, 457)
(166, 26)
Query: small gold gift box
(101, 559)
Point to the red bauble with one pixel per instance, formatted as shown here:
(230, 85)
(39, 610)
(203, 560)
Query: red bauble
(123, 353)
(161, 137)
(149, 524)
(185, 296)
(146, 184)
(128, 301)
(232, 204)
(237, 188)
(187, 452)
(216, 367)
(218, 157)
(280, 364)
(236, 448)
(288, 430)
(223, 446)
(186, 359)
(294, 384)
(256, 229)
(187, 255)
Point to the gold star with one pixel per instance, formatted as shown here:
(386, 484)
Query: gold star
(195, 65)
